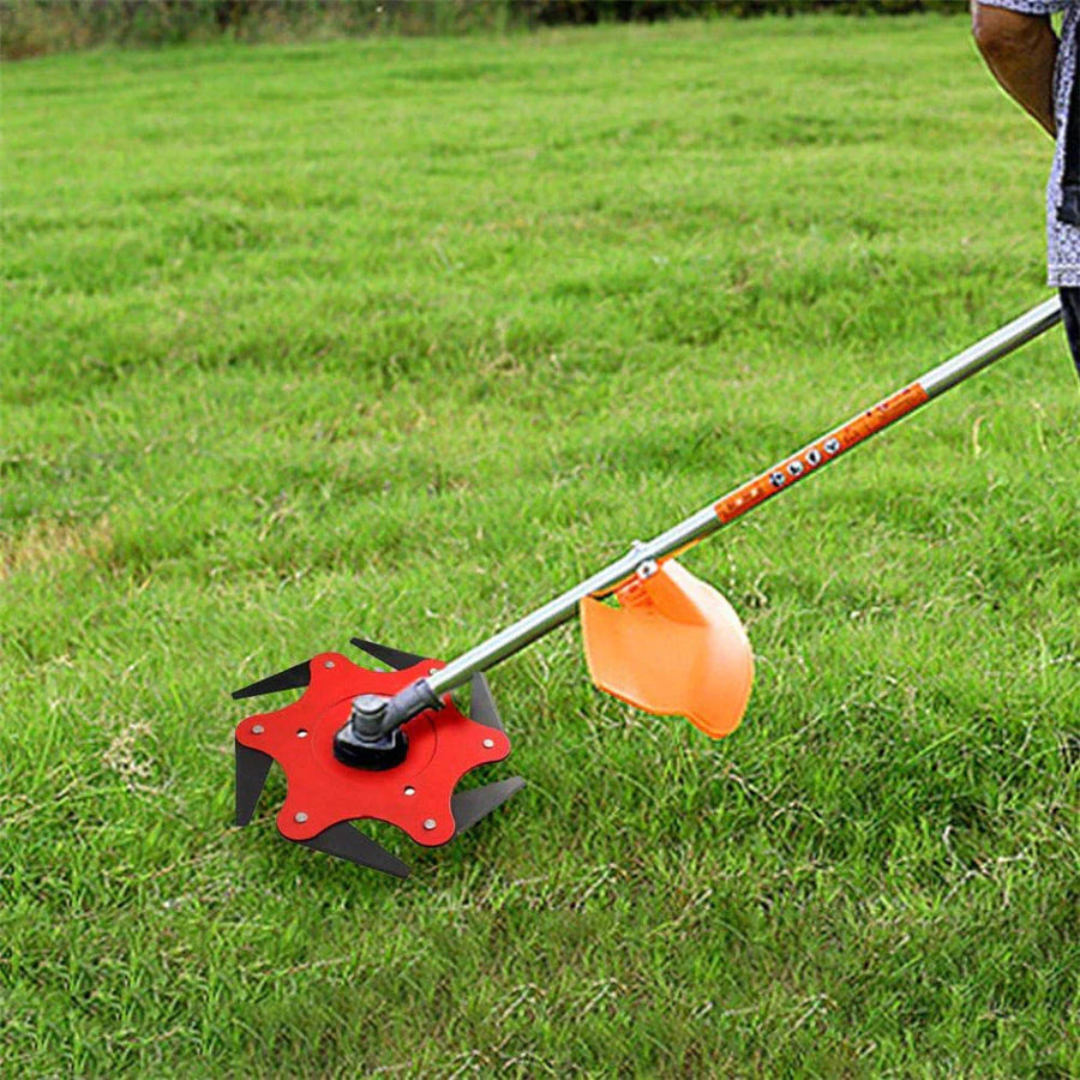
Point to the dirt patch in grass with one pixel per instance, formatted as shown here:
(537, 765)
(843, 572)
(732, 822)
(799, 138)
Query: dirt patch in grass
(46, 543)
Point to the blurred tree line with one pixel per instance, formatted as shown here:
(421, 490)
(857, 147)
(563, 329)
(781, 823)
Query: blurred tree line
(36, 27)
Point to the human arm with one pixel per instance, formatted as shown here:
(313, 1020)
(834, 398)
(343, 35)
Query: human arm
(1020, 49)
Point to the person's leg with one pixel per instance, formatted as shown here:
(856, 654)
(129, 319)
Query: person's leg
(1070, 316)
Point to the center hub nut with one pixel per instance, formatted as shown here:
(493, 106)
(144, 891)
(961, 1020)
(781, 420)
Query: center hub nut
(366, 707)
(362, 744)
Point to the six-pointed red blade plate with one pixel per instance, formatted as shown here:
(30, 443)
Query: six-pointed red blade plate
(417, 796)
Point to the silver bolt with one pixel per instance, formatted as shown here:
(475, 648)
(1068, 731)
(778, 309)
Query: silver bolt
(429, 823)
(328, 663)
(489, 744)
(410, 790)
(258, 729)
(301, 734)
(300, 818)
(647, 569)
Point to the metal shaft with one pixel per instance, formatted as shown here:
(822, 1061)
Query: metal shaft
(744, 498)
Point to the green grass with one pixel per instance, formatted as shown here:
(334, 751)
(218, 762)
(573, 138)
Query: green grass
(401, 337)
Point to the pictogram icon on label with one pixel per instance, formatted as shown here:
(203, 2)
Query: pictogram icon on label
(777, 479)
(796, 468)
(832, 446)
(813, 457)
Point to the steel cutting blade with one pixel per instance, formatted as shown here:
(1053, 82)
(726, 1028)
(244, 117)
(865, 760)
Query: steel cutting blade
(469, 807)
(482, 706)
(290, 679)
(345, 842)
(252, 767)
(395, 658)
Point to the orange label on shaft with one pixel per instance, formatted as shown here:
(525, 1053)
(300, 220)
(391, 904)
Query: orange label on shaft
(820, 453)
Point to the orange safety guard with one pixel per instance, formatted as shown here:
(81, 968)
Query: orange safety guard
(674, 647)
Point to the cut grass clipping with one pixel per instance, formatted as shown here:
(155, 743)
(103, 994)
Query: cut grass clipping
(400, 337)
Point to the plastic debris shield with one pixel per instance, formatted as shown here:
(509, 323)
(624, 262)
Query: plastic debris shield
(674, 646)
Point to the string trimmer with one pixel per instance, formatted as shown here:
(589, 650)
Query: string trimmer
(392, 745)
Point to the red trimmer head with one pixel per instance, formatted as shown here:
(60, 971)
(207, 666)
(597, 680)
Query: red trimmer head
(407, 779)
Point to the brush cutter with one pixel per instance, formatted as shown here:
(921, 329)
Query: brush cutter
(392, 745)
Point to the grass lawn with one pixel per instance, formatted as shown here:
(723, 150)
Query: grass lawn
(400, 338)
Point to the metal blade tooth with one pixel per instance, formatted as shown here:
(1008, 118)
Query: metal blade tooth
(397, 659)
(290, 679)
(469, 807)
(482, 707)
(251, 769)
(345, 842)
